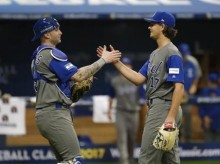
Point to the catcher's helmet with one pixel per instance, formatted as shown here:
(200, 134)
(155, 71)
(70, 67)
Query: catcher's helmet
(213, 77)
(43, 26)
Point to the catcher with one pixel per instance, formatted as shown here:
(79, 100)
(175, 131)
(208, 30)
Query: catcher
(53, 74)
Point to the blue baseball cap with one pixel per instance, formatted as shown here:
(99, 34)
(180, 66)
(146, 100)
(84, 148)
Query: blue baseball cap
(184, 49)
(163, 17)
(213, 77)
(43, 26)
(126, 60)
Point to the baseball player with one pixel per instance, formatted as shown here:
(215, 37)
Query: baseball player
(53, 77)
(163, 74)
(192, 74)
(129, 100)
(210, 112)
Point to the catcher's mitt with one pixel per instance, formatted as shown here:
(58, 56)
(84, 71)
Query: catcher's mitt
(166, 137)
(79, 89)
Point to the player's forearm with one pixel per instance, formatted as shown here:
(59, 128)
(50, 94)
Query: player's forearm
(176, 101)
(88, 71)
(193, 87)
(110, 104)
(128, 73)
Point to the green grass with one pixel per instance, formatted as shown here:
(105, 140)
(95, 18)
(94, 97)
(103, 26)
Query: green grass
(200, 162)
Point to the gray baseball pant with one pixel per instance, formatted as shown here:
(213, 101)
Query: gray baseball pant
(57, 127)
(158, 111)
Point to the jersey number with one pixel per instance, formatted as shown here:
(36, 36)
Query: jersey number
(154, 81)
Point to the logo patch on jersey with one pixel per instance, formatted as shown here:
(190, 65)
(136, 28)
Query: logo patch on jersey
(174, 70)
(69, 66)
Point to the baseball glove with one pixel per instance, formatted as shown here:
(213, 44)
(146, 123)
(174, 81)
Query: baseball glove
(166, 137)
(79, 89)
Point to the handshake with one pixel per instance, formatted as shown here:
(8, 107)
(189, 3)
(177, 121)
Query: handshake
(112, 56)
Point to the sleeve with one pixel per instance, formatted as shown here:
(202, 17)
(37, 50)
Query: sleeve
(144, 69)
(142, 95)
(198, 70)
(197, 74)
(175, 69)
(197, 65)
(63, 69)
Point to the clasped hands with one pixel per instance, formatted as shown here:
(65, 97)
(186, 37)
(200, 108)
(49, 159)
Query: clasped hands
(112, 56)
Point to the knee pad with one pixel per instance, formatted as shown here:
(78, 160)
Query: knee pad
(76, 160)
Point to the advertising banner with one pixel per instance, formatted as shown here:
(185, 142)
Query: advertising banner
(99, 153)
(100, 109)
(12, 116)
(109, 8)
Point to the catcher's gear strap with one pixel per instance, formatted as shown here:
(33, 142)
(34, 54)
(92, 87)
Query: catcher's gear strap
(36, 75)
(59, 55)
(41, 48)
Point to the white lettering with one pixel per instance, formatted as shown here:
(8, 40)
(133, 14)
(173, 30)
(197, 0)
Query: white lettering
(211, 152)
(114, 152)
(37, 154)
(174, 70)
(47, 2)
(141, 2)
(32, 2)
(214, 2)
(208, 99)
(41, 155)
(196, 152)
(67, 2)
(106, 2)
(5, 2)
(177, 2)
(123, 2)
(20, 155)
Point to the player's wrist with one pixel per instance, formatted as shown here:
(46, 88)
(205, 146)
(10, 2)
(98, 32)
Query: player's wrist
(101, 62)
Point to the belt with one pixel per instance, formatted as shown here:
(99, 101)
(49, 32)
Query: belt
(59, 105)
(127, 111)
(156, 100)
(56, 105)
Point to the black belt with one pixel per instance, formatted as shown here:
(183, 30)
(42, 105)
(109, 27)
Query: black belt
(59, 105)
(126, 110)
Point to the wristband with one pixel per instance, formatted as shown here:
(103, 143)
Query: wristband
(101, 62)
